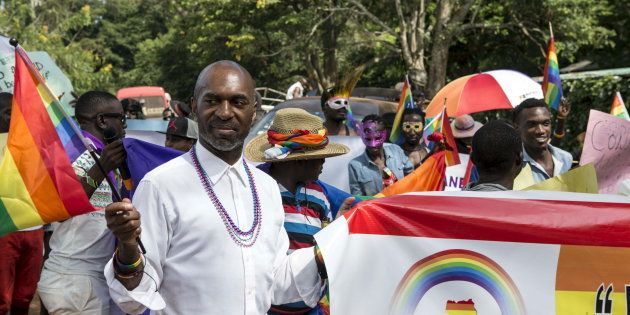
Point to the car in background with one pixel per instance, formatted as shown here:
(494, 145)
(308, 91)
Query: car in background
(361, 107)
(153, 99)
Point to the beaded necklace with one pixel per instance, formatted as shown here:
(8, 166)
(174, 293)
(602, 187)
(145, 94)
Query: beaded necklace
(240, 237)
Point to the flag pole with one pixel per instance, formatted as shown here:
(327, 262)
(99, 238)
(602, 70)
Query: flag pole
(550, 29)
(88, 145)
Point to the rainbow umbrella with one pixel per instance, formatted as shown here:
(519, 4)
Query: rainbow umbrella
(497, 89)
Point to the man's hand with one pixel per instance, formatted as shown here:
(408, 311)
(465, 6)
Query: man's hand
(113, 155)
(345, 206)
(564, 109)
(124, 222)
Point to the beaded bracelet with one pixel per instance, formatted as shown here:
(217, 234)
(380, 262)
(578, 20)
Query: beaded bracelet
(128, 276)
(559, 136)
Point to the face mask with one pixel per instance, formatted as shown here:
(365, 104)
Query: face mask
(415, 126)
(337, 103)
(371, 136)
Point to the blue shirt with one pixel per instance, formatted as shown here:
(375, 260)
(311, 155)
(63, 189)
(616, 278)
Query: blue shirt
(366, 178)
(562, 161)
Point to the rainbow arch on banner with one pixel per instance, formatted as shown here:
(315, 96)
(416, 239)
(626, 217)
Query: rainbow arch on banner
(456, 265)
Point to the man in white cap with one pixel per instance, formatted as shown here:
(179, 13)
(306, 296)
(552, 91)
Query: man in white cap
(464, 128)
(295, 159)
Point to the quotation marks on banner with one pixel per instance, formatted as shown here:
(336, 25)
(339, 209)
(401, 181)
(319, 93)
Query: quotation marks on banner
(603, 303)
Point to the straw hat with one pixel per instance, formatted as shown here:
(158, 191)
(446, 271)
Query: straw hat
(465, 126)
(285, 121)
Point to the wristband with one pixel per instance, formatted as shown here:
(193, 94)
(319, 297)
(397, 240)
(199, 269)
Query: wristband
(126, 268)
(561, 117)
(90, 181)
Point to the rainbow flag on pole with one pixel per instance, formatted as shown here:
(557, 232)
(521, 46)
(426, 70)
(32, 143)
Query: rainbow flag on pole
(406, 101)
(552, 86)
(432, 125)
(618, 108)
(38, 184)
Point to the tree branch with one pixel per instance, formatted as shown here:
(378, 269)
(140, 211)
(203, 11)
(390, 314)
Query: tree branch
(375, 19)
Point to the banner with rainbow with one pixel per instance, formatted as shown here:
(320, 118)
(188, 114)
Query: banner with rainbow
(466, 253)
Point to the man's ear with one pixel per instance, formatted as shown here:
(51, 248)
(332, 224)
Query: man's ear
(100, 122)
(253, 117)
(193, 104)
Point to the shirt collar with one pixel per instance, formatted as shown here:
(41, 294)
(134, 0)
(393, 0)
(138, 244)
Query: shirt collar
(217, 168)
(557, 163)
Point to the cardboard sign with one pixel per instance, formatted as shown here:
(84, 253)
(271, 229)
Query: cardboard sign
(56, 80)
(607, 146)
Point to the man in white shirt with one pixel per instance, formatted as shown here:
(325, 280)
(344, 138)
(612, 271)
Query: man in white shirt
(212, 225)
(297, 89)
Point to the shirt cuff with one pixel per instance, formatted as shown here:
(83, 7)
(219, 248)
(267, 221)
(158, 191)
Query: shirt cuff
(305, 275)
(145, 295)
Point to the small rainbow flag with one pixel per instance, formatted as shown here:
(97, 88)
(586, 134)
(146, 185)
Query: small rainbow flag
(406, 101)
(552, 86)
(432, 125)
(38, 184)
(618, 108)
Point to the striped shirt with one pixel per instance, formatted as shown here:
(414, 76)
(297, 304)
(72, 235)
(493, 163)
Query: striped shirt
(304, 212)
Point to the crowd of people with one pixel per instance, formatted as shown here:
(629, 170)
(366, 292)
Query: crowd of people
(225, 237)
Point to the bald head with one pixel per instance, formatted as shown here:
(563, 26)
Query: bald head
(222, 68)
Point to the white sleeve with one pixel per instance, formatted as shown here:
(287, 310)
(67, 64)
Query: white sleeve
(156, 233)
(295, 275)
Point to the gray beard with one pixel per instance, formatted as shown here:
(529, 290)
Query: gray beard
(223, 144)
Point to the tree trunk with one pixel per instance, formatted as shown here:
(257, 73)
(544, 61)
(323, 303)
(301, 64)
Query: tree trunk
(437, 69)
(418, 73)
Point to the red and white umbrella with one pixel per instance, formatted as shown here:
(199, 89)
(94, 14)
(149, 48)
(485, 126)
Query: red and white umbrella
(497, 89)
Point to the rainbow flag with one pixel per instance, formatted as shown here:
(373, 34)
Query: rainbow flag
(431, 125)
(618, 108)
(350, 121)
(552, 86)
(406, 101)
(38, 184)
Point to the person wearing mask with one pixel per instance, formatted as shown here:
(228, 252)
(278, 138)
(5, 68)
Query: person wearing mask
(412, 128)
(381, 165)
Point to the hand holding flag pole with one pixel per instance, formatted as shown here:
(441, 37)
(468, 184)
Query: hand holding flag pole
(87, 144)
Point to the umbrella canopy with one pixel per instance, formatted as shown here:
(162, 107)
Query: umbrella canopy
(498, 89)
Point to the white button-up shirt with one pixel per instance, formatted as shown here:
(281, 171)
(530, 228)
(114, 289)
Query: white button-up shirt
(196, 267)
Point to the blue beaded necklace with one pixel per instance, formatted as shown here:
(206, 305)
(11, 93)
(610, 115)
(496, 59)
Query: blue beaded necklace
(240, 237)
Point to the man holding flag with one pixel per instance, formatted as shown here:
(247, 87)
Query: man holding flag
(82, 245)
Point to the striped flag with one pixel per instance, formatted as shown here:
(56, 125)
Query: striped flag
(552, 86)
(432, 125)
(38, 184)
(618, 108)
(406, 101)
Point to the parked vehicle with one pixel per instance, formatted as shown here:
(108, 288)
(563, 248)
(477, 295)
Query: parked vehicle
(361, 107)
(152, 99)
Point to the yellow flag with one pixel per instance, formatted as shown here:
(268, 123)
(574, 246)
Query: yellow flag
(582, 179)
(524, 179)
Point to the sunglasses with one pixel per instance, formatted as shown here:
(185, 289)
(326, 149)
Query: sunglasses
(417, 127)
(122, 117)
(338, 103)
